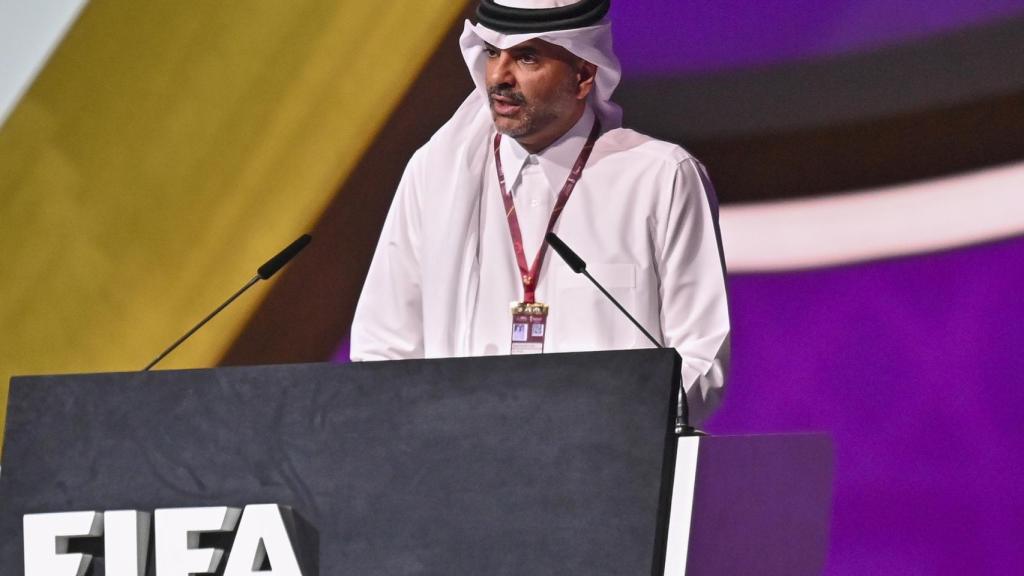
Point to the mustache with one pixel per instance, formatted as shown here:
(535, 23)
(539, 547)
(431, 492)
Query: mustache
(506, 91)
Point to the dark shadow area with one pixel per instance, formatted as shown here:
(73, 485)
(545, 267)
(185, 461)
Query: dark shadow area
(310, 308)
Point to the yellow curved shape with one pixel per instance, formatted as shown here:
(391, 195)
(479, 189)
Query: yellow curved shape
(168, 149)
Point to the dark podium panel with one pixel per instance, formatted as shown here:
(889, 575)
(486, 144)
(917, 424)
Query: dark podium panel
(552, 464)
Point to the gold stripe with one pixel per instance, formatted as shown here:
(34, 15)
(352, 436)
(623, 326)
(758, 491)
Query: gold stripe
(168, 149)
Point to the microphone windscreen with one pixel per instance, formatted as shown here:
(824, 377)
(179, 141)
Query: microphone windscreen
(282, 258)
(575, 262)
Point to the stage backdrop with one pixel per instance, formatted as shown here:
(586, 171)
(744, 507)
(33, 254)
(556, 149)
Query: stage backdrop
(867, 156)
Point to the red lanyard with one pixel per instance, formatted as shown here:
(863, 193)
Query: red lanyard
(531, 274)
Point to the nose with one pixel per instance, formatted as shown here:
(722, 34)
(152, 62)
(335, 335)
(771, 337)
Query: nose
(499, 70)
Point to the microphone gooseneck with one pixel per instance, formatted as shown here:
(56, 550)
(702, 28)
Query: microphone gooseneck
(578, 266)
(264, 272)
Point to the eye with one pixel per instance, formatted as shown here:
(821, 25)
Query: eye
(491, 52)
(528, 58)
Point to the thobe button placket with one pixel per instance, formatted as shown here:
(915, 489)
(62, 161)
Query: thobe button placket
(533, 198)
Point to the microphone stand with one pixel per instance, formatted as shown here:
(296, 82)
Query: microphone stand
(682, 424)
(252, 281)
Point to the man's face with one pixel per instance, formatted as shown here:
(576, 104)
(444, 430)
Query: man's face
(536, 90)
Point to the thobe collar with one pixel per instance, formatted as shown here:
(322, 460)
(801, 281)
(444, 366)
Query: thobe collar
(556, 161)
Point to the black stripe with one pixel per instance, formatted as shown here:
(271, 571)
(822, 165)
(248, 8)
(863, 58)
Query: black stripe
(879, 153)
(919, 110)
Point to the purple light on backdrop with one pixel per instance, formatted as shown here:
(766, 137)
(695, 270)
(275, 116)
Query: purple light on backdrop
(654, 37)
(915, 367)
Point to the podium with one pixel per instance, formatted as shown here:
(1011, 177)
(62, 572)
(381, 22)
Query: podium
(550, 464)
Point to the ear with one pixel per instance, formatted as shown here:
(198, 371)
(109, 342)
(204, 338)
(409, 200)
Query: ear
(586, 74)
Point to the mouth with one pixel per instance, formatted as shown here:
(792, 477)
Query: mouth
(505, 105)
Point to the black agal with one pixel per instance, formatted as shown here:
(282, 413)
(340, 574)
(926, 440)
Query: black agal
(523, 21)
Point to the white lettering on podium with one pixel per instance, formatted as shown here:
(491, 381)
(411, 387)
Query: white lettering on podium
(46, 542)
(177, 539)
(125, 542)
(261, 535)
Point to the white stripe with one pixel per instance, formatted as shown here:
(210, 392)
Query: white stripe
(874, 224)
(682, 506)
(29, 32)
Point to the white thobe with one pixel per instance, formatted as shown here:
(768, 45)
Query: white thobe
(643, 217)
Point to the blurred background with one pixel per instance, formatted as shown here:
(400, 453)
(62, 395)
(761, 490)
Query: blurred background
(868, 157)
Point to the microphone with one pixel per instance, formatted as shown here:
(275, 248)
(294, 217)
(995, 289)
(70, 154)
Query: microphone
(578, 266)
(262, 273)
(283, 257)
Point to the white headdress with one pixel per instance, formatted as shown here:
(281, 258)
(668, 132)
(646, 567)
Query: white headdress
(592, 43)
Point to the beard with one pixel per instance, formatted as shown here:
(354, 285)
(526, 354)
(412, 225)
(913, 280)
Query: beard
(534, 114)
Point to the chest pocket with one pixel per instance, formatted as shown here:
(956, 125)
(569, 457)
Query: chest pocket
(583, 319)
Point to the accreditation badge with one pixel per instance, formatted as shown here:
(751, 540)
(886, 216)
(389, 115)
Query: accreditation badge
(529, 327)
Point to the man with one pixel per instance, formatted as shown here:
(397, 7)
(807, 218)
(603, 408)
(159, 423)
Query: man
(539, 146)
